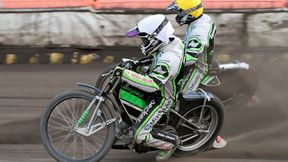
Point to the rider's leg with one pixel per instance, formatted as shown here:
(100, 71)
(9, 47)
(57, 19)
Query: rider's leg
(194, 80)
(147, 119)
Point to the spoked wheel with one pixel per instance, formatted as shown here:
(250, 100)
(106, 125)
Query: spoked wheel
(195, 140)
(58, 129)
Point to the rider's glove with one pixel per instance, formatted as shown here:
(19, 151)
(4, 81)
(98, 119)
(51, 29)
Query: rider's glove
(129, 64)
(118, 71)
(145, 60)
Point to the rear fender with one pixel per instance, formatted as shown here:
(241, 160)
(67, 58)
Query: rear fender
(198, 98)
(191, 100)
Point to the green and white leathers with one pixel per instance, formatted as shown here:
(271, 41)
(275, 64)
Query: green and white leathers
(199, 46)
(166, 64)
(164, 68)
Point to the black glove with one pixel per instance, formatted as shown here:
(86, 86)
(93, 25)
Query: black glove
(145, 60)
(118, 71)
(130, 65)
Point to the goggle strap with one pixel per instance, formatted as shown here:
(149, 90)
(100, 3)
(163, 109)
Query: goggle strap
(160, 27)
(193, 9)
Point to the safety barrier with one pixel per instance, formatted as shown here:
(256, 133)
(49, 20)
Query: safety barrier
(52, 58)
(76, 58)
(139, 4)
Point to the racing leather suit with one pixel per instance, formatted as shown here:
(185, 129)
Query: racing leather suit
(165, 67)
(199, 46)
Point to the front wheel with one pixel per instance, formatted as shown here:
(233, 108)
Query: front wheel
(192, 140)
(58, 134)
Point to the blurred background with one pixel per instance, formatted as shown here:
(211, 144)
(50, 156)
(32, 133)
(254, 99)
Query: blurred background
(46, 47)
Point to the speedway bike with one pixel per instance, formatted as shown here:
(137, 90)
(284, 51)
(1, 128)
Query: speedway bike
(83, 125)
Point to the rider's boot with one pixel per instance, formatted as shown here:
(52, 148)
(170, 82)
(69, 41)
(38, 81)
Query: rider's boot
(172, 140)
(163, 155)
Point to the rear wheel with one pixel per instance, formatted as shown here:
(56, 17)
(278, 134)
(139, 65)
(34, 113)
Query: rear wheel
(58, 134)
(192, 140)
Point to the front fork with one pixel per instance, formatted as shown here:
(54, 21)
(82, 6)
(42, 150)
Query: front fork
(90, 129)
(87, 111)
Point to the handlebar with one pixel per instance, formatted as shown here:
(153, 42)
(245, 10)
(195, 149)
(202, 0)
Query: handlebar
(236, 65)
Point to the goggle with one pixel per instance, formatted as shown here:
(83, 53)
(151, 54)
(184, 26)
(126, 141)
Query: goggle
(145, 39)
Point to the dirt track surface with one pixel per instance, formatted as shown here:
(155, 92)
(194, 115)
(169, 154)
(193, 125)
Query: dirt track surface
(254, 133)
(36, 153)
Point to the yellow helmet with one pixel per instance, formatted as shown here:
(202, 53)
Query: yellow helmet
(188, 10)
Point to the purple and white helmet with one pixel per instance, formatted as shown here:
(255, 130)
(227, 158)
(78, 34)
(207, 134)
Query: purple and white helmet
(154, 31)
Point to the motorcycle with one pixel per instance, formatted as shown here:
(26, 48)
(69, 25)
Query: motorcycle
(83, 125)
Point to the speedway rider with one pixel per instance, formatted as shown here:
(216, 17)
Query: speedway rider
(166, 55)
(199, 44)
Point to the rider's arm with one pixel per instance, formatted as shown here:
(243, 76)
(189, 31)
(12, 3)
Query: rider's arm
(149, 83)
(198, 42)
(196, 53)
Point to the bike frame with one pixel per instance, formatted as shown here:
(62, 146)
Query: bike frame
(110, 88)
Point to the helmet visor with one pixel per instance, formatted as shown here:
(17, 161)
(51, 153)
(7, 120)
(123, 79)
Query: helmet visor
(133, 32)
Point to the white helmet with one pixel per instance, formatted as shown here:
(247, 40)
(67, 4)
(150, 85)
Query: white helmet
(154, 31)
